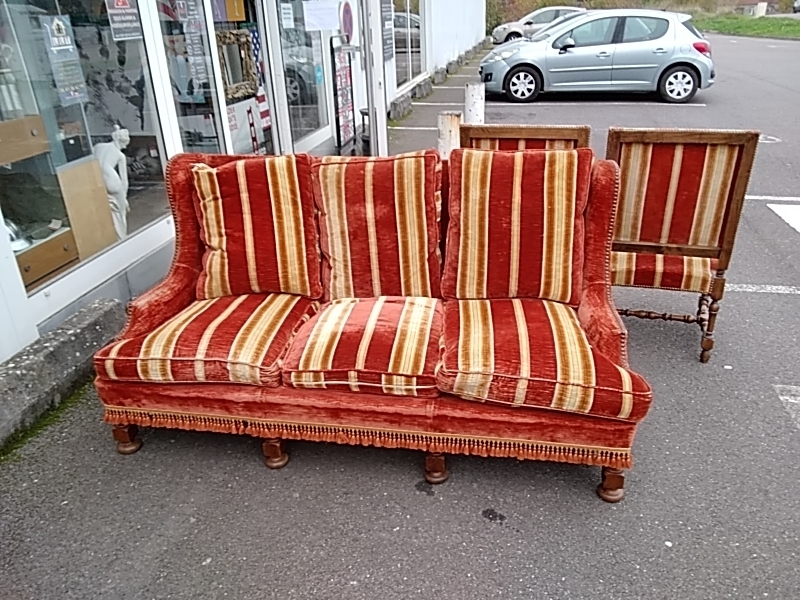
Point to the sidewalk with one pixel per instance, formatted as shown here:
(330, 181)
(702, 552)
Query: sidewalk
(418, 130)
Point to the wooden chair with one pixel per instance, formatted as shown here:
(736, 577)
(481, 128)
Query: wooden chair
(525, 137)
(681, 195)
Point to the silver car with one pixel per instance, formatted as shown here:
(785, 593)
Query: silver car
(606, 50)
(530, 23)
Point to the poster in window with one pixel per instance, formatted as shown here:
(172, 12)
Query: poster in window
(64, 59)
(387, 17)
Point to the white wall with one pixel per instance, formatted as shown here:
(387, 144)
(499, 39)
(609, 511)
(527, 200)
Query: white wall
(452, 27)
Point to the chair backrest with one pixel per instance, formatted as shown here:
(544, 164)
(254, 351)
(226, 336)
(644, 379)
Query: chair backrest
(525, 137)
(681, 191)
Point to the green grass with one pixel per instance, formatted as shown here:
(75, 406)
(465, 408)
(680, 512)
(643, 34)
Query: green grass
(52, 416)
(750, 26)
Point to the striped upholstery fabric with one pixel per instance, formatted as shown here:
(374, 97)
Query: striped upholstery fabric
(521, 144)
(386, 345)
(379, 225)
(533, 353)
(238, 339)
(675, 193)
(258, 225)
(516, 224)
(663, 271)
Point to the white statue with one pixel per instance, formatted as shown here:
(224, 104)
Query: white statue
(114, 165)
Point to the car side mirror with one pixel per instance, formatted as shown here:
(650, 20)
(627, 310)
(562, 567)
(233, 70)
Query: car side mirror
(528, 23)
(566, 45)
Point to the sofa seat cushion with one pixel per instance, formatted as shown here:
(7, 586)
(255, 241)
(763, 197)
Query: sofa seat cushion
(379, 224)
(386, 345)
(533, 353)
(516, 227)
(238, 339)
(663, 271)
(257, 222)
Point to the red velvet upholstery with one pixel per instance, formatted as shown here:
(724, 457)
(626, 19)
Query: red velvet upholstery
(379, 225)
(663, 271)
(240, 339)
(388, 345)
(521, 144)
(516, 224)
(257, 222)
(530, 352)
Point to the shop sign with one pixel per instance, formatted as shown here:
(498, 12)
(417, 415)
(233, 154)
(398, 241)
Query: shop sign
(287, 15)
(191, 16)
(64, 60)
(123, 16)
(387, 17)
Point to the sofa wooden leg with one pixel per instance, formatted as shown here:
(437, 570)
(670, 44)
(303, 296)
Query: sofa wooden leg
(127, 438)
(717, 290)
(612, 484)
(275, 455)
(435, 468)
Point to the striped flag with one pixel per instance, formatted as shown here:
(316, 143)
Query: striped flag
(261, 95)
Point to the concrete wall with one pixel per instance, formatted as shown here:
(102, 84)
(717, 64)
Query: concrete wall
(453, 26)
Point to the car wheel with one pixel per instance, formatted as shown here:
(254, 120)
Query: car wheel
(513, 36)
(295, 90)
(678, 85)
(523, 84)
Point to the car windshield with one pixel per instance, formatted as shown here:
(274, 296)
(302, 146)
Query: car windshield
(547, 31)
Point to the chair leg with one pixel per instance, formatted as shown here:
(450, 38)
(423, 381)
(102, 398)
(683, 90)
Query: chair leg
(435, 468)
(127, 438)
(275, 455)
(611, 485)
(707, 343)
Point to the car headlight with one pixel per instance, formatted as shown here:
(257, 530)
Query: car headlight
(501, 56)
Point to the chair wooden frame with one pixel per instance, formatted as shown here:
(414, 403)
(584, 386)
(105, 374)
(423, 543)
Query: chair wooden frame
(708, 305)
(578, 134)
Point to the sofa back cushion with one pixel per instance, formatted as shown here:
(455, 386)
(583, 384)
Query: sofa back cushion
(516, 224)
(379, 225)
(258, 226)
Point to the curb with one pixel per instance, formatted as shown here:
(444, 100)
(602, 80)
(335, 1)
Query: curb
(56, 365)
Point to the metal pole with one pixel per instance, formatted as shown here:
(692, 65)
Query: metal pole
(449, 123)
(474, 102)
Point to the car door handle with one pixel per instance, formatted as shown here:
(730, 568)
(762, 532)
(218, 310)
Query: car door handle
(659, 51)
(603, 55)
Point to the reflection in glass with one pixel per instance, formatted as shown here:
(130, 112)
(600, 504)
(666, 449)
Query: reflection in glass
(407, 40)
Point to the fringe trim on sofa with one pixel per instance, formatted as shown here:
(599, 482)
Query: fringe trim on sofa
(618, 458)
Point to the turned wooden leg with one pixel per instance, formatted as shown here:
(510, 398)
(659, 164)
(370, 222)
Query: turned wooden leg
(435, 468)
(275, 455)
(611, 485)
(127, 438)
(707, 343)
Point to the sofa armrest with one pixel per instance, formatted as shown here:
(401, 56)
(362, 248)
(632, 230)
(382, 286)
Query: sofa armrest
(601, 323)
(161, 303)
(596, 312)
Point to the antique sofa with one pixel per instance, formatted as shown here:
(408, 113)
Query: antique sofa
(308, 300)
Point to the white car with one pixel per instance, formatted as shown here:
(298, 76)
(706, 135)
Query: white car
(530, 23)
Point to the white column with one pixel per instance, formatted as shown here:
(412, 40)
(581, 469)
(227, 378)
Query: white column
(372, 45)
(474, 100)
(449, 123)
(17, 322)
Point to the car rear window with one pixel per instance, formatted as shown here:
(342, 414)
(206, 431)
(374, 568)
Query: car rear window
(690, 26)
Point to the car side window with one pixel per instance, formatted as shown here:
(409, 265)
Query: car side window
(594, 33)
(543, 17)
(644, 29)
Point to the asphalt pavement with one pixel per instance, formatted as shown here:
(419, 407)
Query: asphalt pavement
(713, 502)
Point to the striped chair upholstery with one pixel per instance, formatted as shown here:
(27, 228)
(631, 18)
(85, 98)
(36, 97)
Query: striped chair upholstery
(237, 339)
(379, 225)
(528, 352)
(385, 345)
(258, 225)
(663, 271)
(516, 225)
(525, 137)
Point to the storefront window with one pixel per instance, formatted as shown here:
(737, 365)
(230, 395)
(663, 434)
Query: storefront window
(183, 25)
(407, 40)
(244, 76)
(82, 155)
(304, 70)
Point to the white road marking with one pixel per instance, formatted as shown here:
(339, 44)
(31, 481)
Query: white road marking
(504, 106)
(789, 213)
(790, 397)
(438, 104)
(449, 87)
(774, 198)
(769, 139)
(415, 128)
(762, 289)
(463, 75)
